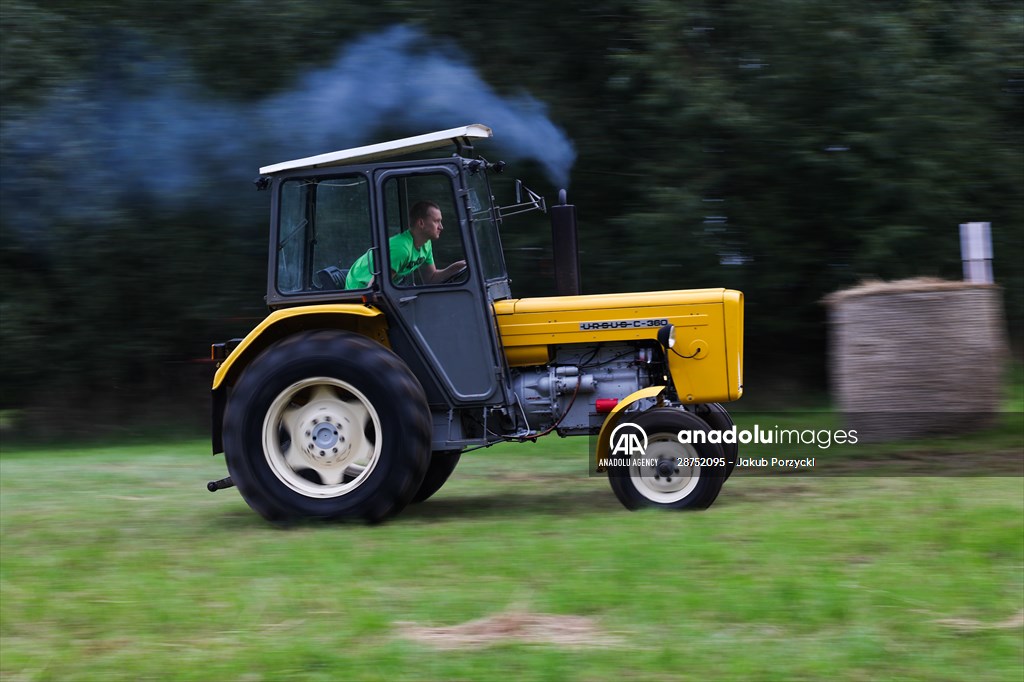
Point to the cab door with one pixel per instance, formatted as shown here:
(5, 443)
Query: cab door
(447, 323)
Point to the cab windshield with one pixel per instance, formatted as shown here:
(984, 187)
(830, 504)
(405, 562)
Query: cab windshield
(485, 227)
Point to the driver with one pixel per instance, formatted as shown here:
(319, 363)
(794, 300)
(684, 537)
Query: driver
(410, 251)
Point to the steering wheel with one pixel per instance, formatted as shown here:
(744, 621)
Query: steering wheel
(456, 276)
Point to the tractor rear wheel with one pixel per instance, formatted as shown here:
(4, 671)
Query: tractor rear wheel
(329, 425)
(670, 474)
(442, 464)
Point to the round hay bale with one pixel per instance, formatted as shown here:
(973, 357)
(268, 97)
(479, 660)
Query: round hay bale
(917, 357)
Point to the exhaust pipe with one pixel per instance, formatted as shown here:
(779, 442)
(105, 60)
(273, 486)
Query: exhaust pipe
(565, 247)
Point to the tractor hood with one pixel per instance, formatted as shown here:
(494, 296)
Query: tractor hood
(706, 364)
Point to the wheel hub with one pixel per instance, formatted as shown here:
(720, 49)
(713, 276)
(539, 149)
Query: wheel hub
(321, 437)
(324, 434)
(324, 440)
(666, 481)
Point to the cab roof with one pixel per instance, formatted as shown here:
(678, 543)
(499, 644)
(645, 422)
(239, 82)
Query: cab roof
(462, 137)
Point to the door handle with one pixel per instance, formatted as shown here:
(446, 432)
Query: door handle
(406, 299)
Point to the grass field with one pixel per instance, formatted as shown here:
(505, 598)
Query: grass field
(117, 564)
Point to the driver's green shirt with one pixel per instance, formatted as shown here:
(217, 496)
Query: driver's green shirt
(405, 259)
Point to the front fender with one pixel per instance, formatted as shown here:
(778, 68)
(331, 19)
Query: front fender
(615, 416)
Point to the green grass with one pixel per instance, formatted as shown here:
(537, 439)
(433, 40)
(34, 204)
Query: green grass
(118, 565)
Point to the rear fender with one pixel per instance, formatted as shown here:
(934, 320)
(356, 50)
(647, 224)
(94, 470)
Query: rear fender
(360, 319)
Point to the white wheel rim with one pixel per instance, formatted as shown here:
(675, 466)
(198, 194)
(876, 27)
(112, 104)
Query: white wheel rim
(322, 437)
(651, 481)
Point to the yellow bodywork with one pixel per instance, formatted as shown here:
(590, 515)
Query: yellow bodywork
(708, 323)
(706, 367)
(362, 319)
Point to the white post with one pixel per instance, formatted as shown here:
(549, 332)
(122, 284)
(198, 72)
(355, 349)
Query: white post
(976, 252)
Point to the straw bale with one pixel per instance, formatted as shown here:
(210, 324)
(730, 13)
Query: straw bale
(917, 357)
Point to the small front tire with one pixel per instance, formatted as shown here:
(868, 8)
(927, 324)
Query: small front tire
(679, 476)
(718, 419)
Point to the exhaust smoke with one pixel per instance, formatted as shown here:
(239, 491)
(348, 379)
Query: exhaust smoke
(151, 135)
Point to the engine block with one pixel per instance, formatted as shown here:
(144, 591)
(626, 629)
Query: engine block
(567, 390)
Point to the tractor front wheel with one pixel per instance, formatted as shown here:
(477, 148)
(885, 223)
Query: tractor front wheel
(718, 419)
(669, 473)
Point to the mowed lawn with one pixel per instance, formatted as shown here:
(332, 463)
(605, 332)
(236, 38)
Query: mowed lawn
(117, 564)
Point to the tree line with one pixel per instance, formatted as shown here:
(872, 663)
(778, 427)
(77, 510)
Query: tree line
(788, 149)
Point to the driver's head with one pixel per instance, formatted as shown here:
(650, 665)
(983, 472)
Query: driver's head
(425, 219)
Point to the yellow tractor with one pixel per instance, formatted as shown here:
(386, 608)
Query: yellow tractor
(394, 344)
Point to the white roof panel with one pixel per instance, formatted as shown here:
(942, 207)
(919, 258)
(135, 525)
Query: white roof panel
(383, 150)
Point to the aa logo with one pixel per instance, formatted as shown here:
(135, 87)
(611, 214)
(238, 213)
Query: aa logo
(628, 439)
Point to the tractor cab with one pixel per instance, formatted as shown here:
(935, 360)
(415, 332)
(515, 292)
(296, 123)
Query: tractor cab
(346, 228)
(333, 211)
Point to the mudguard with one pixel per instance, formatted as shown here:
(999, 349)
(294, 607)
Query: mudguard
(362, 319)
(615, 416)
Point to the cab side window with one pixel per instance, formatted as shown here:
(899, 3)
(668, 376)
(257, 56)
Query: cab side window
(424, 240)
(324, 227)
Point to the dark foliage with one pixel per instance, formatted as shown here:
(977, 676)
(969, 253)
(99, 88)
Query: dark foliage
(785, 149)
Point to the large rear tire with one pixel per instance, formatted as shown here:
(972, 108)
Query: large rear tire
(327, 425)
(442, 464)
(684, 476)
